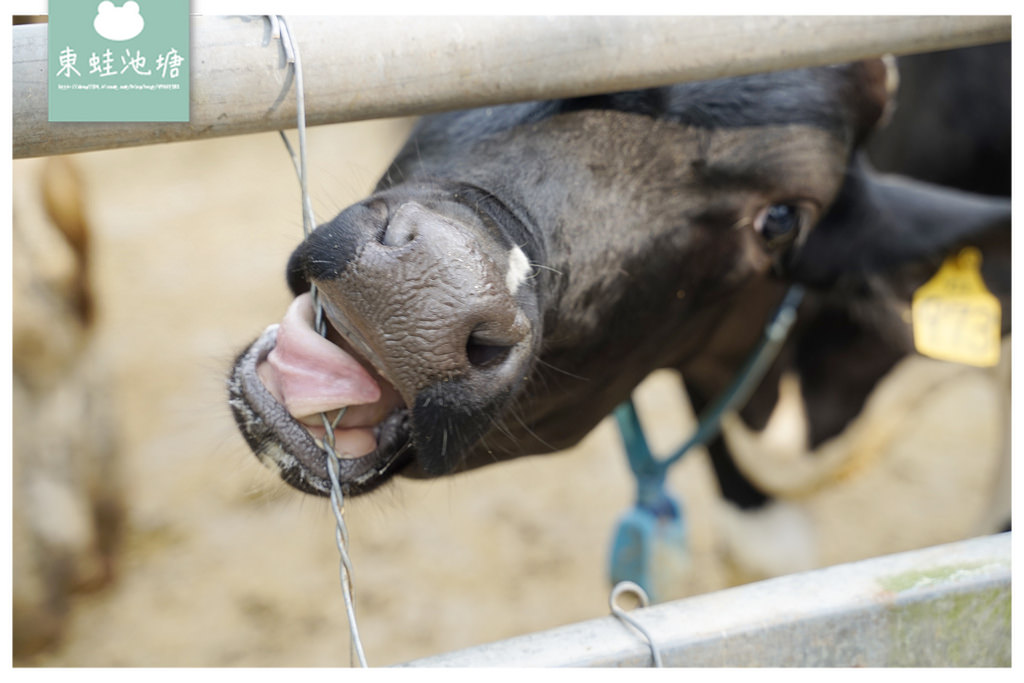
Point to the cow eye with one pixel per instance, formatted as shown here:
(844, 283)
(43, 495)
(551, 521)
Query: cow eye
(778, 223)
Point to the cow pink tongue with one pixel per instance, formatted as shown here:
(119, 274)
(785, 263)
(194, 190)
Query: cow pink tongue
(308, 374)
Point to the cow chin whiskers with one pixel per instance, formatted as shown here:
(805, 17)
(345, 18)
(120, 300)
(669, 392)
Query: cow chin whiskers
(499, 425)
(516, 413)
(557, 369)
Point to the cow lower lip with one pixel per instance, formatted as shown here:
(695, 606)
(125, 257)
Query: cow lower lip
(281, 442)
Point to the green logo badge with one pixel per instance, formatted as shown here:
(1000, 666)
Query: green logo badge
(118, 61)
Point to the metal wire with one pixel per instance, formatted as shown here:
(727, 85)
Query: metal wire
(280, 29)
(621, 614)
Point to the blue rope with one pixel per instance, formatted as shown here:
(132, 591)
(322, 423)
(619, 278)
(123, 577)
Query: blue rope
(657, 519)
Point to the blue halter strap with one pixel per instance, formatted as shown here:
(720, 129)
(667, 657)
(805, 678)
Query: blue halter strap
(656, 523)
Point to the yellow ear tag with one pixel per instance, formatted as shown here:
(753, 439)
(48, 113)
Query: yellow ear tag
(955, 317)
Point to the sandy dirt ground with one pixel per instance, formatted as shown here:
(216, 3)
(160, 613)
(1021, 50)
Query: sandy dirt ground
(222, 565)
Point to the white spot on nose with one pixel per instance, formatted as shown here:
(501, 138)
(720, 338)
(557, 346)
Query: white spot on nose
(518, 269)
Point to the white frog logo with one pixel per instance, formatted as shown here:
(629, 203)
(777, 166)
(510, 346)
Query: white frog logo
(118, 23)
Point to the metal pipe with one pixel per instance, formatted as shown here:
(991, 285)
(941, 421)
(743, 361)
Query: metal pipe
(374, 67)
(948, 605)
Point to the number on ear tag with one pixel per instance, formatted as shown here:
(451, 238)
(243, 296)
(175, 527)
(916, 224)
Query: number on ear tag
(955, 317)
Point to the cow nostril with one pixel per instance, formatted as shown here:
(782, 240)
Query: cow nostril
(400, 230)
(399, 234)
(482, 354)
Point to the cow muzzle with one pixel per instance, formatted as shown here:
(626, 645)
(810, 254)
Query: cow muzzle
(428, 340)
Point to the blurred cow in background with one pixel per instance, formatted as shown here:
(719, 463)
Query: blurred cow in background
(67, 499)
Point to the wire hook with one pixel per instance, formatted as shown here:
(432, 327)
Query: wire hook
(621, 614)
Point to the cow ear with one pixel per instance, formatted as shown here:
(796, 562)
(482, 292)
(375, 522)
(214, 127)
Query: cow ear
(870, 93)
(879, 222)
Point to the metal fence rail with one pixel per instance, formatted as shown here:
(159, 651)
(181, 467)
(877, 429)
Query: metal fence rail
(943, 606)
(370, 67)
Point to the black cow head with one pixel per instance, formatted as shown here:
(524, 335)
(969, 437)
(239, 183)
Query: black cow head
(520, 269)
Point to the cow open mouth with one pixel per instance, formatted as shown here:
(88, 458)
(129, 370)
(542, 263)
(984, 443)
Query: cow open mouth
(288, 377)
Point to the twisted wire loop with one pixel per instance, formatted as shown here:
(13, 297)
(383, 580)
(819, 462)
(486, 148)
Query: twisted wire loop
(621, 614)
(280, 30)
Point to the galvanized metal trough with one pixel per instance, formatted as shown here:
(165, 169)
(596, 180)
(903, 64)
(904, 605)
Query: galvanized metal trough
(944, 606)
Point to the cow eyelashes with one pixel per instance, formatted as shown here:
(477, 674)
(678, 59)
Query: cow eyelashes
(778, 224)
